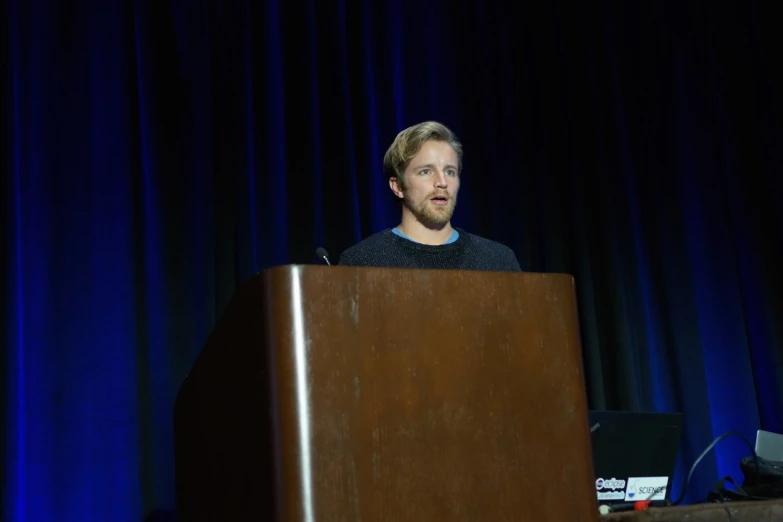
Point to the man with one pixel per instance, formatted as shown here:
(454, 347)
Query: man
(424, 164)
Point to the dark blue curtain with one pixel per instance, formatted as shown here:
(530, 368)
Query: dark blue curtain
(157, 153)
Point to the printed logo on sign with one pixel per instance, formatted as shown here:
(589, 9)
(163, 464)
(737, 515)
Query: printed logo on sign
(646, 488)
(611, 483)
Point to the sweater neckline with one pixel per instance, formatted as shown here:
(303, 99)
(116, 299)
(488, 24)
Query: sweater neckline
(407, 243)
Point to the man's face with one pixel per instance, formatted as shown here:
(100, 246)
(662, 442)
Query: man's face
(431, 184)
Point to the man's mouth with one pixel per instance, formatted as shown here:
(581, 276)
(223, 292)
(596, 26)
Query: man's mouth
(440, 200)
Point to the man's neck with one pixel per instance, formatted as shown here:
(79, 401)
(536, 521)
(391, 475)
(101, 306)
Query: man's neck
(421, 234)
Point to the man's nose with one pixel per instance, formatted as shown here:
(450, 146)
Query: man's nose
(441, 181)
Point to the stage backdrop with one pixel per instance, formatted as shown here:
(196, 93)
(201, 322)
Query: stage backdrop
(157, 153)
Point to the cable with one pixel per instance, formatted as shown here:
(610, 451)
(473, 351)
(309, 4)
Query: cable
(731, 517)
(716, 441)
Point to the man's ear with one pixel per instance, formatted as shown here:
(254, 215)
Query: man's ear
(395, 187)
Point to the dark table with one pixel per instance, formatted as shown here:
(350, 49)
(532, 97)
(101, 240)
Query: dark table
(755, 511)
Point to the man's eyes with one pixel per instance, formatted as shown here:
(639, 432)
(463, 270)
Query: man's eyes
(450, 172)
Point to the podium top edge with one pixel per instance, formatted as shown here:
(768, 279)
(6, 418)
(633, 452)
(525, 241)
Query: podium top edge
(301, 267)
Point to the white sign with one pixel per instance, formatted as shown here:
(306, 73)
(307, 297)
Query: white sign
(646, 488)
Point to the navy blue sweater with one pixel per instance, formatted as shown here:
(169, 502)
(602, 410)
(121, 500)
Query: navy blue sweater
(468, 252)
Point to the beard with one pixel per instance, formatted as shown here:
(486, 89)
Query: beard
(431, 216)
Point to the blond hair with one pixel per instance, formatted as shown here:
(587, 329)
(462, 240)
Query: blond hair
(408, 143)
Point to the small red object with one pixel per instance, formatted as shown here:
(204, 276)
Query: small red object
(641, 505)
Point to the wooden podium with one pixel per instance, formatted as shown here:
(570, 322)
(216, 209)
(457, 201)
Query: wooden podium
(373, 394)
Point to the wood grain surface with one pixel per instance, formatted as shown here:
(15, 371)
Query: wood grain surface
(427, 395)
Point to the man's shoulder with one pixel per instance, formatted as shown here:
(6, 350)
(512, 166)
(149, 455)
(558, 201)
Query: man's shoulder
(370, 241)
(367, 245)
(484, 243)
(492, 251)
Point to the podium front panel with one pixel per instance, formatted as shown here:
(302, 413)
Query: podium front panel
(426, 395)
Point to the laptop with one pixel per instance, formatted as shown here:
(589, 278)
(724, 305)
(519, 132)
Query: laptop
(634, 455)
(769, 445)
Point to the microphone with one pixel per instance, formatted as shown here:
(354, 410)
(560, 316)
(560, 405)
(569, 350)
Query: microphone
(323, 254)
